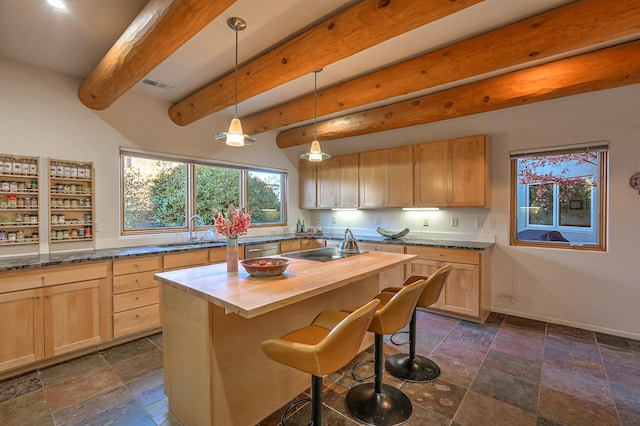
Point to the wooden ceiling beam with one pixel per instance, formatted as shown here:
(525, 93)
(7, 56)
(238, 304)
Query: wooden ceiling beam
(158, 31)
(604, 69)
(353, 30)
(575, 26)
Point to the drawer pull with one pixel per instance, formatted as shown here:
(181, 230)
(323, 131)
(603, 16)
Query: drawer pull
(137, 315)
(137, 281)
(137, 298)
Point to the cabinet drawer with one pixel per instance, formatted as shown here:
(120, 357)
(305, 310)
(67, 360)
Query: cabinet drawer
(311, 243)
(133, 282)
(219, 255)
(387, 248)
(139, 264)
(289, 245)
(134, 320)
(446, 254)
(23, 280)
(185, 260)
(135, 299)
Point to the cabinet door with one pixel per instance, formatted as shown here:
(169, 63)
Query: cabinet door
(399, 175)
(71, 317)
(372, 172)
(348, 181)
(426, 267)
(328, 173)
(307, 177)
(430, 169)
(468, 171)
(462, 290)
(21, 334)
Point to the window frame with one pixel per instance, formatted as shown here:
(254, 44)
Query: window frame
(190, 189)
(599, 205)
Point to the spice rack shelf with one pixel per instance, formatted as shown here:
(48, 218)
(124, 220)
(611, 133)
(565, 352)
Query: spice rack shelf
(19, 195)
(71, 200)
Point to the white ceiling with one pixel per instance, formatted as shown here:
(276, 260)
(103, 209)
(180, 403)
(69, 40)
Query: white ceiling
(74, 41)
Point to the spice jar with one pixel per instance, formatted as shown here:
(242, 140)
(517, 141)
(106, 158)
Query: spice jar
(12, 201)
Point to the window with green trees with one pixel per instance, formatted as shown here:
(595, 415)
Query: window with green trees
(160, 193)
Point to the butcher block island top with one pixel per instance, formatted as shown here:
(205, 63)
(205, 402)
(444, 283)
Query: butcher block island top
(248, 296)
(214, 323)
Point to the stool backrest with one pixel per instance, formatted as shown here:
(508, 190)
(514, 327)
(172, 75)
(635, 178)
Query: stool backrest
(342, 344)
(396, 308)
(435, 284)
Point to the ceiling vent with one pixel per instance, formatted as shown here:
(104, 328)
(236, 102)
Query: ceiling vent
(157, 84)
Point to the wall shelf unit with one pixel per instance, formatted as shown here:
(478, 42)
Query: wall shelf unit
(19, 195)
(71, 201)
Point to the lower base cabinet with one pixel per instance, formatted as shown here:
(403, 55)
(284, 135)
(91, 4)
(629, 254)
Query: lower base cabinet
(391, 277)
(466, 293)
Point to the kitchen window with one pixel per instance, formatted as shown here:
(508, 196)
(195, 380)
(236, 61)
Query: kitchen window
(559, 197)
(160, 192)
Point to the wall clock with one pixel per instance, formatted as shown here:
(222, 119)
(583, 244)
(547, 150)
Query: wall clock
(635, 182)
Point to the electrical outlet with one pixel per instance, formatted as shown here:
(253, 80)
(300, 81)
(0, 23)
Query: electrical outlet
(454, 222)
(425, 222)
(377, 220)
(492, 223)
(479, 222)
(334, 220)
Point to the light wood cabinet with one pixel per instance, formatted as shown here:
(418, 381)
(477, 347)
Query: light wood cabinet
(386, 178)
(287, 246)
(391, 277)
(188, 259)
(307, 173)
(337, 182)
(136, 295)
(467, 292)
(452, 173)
(53, 311)
(22, 333)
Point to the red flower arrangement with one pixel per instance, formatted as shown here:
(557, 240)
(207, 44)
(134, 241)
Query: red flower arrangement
(233, 224)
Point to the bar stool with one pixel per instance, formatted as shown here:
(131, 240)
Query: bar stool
(377, 403)
(412, 367)
(330, 342)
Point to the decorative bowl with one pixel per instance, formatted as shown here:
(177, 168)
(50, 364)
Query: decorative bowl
(265, 266)
(393, 235)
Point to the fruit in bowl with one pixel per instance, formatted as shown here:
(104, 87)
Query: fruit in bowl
(265, 266)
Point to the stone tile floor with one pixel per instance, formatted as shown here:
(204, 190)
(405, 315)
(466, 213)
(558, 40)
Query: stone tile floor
(508, 371)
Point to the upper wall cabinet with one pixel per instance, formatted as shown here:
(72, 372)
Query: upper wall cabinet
(307, 172)
(451, 173)
(338, 182)
(386, 178)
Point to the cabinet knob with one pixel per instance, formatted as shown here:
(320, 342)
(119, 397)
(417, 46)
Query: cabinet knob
(37, 297)
(137, 280)
(48, 296)
(135, 265)
(137, 315)
(137, 298)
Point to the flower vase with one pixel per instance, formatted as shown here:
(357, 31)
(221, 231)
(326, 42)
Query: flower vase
(232, 255)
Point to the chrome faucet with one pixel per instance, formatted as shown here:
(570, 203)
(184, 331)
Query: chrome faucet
(193, 219)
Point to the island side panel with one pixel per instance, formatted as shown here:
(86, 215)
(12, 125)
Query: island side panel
(186, 341)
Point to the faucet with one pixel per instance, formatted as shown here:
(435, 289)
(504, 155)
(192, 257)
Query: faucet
(193, 219)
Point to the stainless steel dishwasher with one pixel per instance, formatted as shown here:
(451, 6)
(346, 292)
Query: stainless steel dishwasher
(259, 250)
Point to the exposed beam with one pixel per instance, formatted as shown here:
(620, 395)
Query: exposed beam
(355, 29)
(157, 32)
(604, 69)
(575, 26)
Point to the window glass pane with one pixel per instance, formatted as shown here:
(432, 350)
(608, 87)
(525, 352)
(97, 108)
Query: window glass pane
(541, 204)
(216, 188)
(264, 199)
(154, 193)
(556, 198)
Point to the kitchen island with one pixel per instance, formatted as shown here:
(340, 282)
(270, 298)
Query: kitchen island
(214, 323)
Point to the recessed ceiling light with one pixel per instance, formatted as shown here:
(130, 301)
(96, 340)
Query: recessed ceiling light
(58, 4)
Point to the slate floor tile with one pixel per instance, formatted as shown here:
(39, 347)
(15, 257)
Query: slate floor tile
(568, 409)
(506, 388)
(482, 410)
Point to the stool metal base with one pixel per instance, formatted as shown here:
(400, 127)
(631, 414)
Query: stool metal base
(387, 408)
(418, 369)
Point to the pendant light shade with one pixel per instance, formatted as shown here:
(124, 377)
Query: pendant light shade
(235, 136)
(315, 153)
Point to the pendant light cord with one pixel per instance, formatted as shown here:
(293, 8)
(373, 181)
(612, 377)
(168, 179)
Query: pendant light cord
(315, 105)
(235, 70)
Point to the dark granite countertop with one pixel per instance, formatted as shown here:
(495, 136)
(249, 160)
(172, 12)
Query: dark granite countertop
(54, 259)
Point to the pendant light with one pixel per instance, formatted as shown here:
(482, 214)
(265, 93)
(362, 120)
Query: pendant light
(235, 136)
(315, 153)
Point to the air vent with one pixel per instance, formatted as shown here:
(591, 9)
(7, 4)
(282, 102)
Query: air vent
(157, 84)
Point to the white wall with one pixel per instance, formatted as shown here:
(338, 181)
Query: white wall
(41, 115)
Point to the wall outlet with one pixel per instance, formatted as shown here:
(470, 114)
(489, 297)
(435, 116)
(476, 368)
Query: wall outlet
(492, 223)
(479, 222)
(454, 222)
(334, 220)
(377, 220)
(425, 222)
